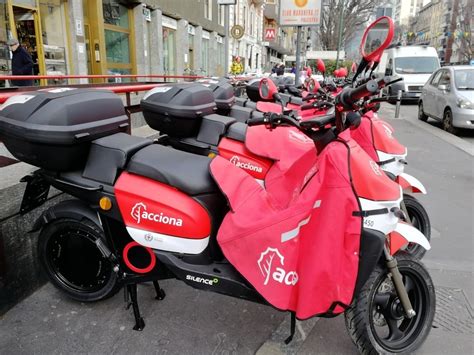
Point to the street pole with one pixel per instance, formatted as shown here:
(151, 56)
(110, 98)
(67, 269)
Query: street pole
(298, 56)
(341, 19)
(226, 43)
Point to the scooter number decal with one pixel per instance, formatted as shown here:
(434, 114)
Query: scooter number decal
(368, 223)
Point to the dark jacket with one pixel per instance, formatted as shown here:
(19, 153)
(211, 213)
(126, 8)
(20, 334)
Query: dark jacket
(22, 64)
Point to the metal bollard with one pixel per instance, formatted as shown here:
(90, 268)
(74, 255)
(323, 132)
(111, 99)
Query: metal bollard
(399, 100)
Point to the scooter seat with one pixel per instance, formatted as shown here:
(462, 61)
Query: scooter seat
(187, 172)
(237, 131)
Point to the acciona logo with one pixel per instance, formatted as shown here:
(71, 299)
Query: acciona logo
(375, 168)
(245, 165)
(388, 131)
(269, 264)
(139, 212)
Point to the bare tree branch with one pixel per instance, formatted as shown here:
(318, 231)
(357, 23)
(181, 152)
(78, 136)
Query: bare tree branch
(356, 13)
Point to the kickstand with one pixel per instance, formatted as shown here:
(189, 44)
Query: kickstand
(292, 328)
(131, 300)
(160, 293)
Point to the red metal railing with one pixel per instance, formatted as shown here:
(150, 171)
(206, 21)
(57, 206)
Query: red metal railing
(105, 76)
(119, 88)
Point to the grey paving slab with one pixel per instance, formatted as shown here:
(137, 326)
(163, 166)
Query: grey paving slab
(187, 321)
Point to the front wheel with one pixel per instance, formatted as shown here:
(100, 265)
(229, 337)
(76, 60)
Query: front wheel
(376, 320)
(421, 113)
(72, 261)
(448, 122)
(420, 220)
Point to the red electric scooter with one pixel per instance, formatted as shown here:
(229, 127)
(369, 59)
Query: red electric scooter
(146, 212)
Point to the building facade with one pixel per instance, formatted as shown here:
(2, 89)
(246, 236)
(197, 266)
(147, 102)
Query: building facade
(122, 36)
(448, 26)
(404, 9)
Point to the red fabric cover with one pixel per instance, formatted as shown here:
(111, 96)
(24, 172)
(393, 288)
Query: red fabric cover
(384, 139)
(303, 255)
(375, 134)
(363, 135)
(288, 147)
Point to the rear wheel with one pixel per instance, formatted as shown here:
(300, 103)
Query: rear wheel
(421, 113)
(448, 122)
(420, 220)
(72, 261)
(376, 320)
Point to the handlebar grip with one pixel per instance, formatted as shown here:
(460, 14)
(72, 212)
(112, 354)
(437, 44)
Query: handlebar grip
(349, 96)
(306, 107)
(255, 121)
(318, 122)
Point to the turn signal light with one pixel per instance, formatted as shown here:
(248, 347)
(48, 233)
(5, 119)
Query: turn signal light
(105, 203)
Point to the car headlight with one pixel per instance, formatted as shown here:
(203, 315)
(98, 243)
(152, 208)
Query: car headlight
(464, 103)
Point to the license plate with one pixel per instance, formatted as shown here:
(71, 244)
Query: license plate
(36, 192)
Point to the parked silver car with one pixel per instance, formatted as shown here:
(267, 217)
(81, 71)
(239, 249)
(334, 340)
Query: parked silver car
(448, 96)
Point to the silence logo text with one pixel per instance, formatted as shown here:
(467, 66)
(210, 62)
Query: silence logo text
(139, 212)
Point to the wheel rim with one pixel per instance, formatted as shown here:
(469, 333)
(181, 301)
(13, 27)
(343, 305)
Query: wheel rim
(73, 258)
(447, 124)
(420, 111)
(390, 328)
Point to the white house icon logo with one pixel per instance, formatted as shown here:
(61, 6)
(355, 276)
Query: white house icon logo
(137, 211)
(269, 263)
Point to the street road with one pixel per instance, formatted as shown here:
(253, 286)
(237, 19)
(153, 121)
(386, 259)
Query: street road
(195, 322)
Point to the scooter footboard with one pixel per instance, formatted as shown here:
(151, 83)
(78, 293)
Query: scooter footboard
(371, 248)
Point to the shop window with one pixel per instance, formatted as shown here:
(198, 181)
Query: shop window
(117, 37)
(169, 51)
(4, 52)
(205, 56)
(221, 58)
(117, 47)
(115, 14)
(54, 37)
(28, 3)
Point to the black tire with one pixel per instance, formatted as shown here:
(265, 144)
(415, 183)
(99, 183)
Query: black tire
(377, 306)
(421, 113)
(420, 220)
(72, 261)
(448, 122)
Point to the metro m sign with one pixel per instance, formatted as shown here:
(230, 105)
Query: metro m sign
(270, 34)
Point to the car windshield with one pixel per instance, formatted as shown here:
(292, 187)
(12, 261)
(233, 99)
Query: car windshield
(416, 65)
(464, 79)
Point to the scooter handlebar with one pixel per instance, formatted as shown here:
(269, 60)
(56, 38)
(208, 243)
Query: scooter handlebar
(349, 96)
(255, 121)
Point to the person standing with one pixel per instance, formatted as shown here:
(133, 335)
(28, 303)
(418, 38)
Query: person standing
(280, 70)
(22, 64)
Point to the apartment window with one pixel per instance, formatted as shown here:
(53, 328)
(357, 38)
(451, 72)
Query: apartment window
(244, 22)
(252, 19)
(208, 9)
(221, 15)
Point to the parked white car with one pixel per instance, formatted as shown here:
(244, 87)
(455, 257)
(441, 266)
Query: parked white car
(448, 96)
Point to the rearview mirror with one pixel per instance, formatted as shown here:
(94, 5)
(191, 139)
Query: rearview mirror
(353, 67)
(312, 85)
(376, 38)
(267, 89)
(320, 66)
(443, 87)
